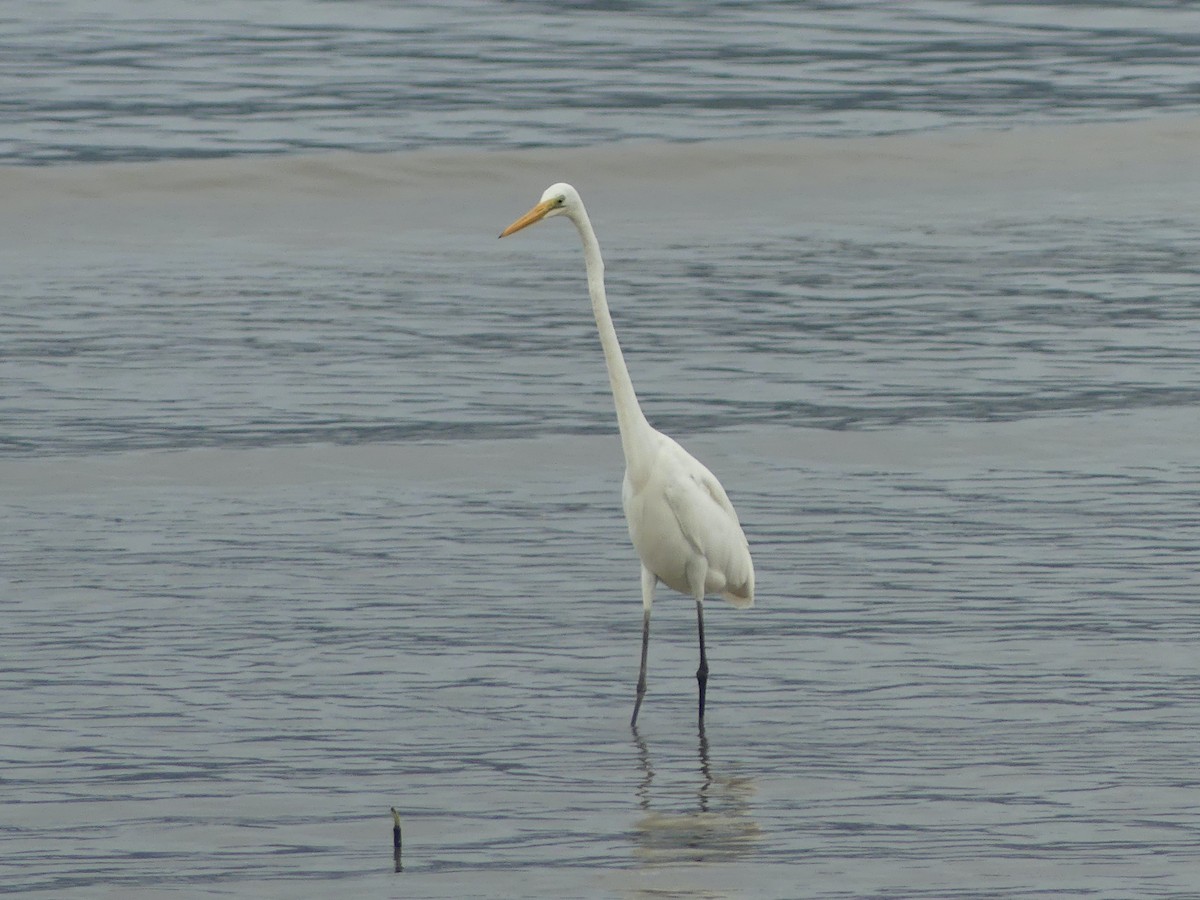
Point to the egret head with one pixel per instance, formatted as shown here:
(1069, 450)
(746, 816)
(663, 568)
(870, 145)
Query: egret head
(557, 200)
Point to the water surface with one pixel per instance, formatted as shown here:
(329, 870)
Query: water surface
(310, 486)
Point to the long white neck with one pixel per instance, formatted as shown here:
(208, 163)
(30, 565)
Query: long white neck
(630, 420)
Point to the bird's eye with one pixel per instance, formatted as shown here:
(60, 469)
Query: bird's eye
(559, 201)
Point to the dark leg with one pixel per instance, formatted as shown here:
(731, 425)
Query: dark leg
(649, 583)
(641, 683)
(702, 672)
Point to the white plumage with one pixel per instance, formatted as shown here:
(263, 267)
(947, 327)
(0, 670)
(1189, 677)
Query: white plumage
(681, 522)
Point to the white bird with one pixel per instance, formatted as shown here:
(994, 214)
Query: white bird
(682, 524)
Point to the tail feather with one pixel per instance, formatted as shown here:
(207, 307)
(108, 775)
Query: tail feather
(741, 596)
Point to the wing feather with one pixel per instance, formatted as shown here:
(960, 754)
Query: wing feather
(711, 527)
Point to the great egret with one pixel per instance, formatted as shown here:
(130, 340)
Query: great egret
(680, 520)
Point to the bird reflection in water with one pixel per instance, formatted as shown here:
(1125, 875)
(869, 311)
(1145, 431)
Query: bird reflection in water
(711, 823)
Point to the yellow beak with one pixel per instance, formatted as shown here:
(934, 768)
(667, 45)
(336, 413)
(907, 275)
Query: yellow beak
(534, 215)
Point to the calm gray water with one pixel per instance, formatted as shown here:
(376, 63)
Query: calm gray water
(148, 79)
(310, 487)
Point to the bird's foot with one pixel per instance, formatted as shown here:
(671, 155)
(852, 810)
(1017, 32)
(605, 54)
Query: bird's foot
(637, 704)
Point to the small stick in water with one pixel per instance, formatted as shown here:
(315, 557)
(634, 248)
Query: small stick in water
(397, 842)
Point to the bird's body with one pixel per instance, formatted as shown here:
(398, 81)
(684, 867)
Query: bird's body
(681, 522)
(680, 519)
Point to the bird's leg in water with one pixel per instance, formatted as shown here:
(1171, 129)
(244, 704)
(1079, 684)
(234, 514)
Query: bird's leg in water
(649, 581)
(697, 577)
(702, 672)
(641, 684)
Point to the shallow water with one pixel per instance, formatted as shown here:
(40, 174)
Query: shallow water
(309, 517)
(158, 79)
(311, 501)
